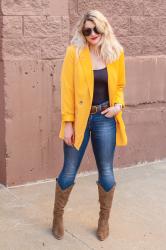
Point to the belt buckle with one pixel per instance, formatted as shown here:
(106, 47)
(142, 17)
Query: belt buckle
(95, 111)
(104, 106)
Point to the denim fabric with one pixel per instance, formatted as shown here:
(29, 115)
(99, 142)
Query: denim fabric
(102, 131)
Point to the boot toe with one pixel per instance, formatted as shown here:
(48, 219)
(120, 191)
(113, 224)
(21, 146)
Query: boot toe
(102, 236)
(102, 231)
(57, 235)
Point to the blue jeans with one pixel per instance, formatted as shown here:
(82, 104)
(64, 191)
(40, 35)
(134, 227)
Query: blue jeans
(103, 138)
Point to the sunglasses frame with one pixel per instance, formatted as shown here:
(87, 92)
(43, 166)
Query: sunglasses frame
(86, 33)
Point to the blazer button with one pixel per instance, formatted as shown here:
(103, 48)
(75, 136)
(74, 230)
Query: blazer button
(81, 101)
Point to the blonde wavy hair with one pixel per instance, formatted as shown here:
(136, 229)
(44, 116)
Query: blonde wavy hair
(109, 47)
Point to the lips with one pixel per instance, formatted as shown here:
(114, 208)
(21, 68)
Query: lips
(94, 38)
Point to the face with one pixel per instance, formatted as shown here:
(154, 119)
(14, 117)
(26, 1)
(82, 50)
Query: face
(93, 38)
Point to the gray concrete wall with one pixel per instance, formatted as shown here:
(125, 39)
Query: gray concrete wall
(33, 41)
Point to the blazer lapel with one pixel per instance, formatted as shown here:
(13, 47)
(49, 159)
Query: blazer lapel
(86, 64)
(110, 82)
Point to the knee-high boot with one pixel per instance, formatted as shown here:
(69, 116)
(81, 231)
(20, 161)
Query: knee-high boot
(61, 198)
(105, 200)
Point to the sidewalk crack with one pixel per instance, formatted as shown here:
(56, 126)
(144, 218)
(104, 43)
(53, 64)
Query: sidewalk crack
(83, 242)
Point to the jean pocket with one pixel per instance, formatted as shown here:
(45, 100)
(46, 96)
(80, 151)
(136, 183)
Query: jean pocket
(109, 119)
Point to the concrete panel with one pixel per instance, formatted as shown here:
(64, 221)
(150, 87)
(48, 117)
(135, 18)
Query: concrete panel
(32, 105)
(145, 126)
(3, 154)
(145, 80)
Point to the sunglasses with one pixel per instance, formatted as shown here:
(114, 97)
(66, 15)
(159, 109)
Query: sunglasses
(88, 31)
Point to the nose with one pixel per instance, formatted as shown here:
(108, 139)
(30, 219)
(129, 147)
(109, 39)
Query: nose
(93, 33)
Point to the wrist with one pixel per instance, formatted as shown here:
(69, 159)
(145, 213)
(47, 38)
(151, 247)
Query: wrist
(68, 122)
(118, 104)
(118, 107)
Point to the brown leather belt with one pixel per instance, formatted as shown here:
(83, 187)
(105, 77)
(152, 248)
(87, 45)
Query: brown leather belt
(97, 108)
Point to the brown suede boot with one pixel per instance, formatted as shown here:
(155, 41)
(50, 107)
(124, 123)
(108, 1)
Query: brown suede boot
(105, 199)
(61, 198)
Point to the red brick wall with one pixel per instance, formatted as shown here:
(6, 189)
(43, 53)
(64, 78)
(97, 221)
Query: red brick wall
(34, 36)
(140, 25)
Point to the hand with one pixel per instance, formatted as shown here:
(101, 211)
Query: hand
(111, 111)
(69, 134)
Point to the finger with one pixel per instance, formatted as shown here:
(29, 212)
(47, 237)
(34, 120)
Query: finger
(105, 111)
(68, 142)
(73, 139)
(109, 114)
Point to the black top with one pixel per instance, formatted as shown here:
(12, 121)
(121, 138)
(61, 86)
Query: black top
(100, 93)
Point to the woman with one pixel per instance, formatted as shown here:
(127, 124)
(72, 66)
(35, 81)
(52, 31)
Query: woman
(92, 82)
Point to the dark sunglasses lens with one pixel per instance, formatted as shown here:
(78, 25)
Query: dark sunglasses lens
(86, 32)
(96, 30)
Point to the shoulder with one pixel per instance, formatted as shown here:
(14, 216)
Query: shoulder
(70, 49)
(121, 55)
(121, 58)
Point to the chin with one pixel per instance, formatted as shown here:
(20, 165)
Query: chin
(94, 42)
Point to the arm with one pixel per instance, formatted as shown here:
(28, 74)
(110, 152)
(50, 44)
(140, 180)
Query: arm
(67, 86)
(119, 98)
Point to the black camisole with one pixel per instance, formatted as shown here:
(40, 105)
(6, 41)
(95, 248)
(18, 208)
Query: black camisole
(100, 93)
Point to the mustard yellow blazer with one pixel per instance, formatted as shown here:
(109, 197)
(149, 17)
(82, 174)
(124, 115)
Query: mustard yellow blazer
(77, 85)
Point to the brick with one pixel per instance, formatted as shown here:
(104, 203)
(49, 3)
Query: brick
(127, 7)
(120, 25)
(133, 45)
(72, 5)
(65, 29)
(154, 8)
(26, 7)
(57, 8)
(104, 6)
(154, 45)
(35, 7)
(162, 26)
(42, 26)
(73, 15)
(11, 26)
(52, 48)
(144, 26)
(21, 48)
(73, 20)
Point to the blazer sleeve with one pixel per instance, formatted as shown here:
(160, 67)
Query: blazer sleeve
(67, 86)
(119, 96)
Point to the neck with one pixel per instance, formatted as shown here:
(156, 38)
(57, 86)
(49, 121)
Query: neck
(94, 48)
